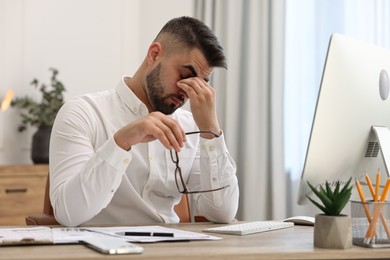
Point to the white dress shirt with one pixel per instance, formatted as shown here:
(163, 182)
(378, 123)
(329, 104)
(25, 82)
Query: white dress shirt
(93, 181)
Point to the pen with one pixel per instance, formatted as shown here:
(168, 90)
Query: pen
(146, 234)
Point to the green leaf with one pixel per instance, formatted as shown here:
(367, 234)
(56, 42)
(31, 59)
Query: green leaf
(317, 204)
(333, 201)
(346, 185)
(36, 113)
(321, 194)
(337, 189)
(329, 190)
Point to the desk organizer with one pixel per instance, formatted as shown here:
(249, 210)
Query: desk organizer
(370, 223)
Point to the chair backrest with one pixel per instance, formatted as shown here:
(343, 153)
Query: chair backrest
(47, 217)
(47, 208)
(183, 209)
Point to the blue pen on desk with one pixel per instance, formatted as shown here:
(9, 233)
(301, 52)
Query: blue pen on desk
(145, 234)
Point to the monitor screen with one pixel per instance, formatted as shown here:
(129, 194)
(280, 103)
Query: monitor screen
(350, 132)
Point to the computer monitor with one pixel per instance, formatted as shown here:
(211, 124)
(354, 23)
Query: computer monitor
(350, 131)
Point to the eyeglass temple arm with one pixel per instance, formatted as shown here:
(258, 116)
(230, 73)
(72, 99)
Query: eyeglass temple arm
(202, 132)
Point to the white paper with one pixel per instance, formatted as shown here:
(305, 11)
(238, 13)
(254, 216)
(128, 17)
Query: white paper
(26, 235)
(66, 235)
(178, 234)
(61, 235)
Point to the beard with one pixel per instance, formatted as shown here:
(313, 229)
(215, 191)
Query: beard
(155, 92)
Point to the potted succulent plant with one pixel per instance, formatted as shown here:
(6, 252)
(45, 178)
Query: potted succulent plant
(41, 114)
(332, 229)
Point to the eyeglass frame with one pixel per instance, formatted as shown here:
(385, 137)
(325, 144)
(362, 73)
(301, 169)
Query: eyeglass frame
(178, 169)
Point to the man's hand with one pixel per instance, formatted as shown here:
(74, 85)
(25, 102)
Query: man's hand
(151, 127)
(203, 104)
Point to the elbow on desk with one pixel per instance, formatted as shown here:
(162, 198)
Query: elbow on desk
(66, 220)
(64, 217)
(222, 217)
(224, 214)
(223, 220)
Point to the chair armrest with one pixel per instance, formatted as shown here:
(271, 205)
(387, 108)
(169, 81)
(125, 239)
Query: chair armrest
(41, 219)
(200, 218)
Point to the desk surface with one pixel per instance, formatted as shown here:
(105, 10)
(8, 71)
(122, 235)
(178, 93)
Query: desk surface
(290, 243)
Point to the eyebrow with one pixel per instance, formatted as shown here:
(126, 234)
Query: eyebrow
(194, 74)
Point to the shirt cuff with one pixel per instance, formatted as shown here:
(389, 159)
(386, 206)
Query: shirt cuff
(213, 147)
(114, 155)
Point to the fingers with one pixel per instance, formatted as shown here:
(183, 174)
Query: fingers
(151, 127)
(197, 88)
(202, 102)
(166, 130)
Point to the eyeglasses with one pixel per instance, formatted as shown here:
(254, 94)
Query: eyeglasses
(181, 185)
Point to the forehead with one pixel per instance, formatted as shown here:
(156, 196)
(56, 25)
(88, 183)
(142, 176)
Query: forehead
(193, 59)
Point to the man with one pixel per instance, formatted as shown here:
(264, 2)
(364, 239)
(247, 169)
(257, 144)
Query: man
(122, 156)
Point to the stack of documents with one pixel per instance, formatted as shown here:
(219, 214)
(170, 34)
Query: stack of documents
(64, 235)
(31, 235)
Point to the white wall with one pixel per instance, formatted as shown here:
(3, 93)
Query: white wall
(91, 42)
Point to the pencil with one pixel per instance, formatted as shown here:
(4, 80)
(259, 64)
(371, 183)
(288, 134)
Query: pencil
(361, 195)
(377, 210)
(383, 219)
(369, 183)
(385, 191)
(377, 185)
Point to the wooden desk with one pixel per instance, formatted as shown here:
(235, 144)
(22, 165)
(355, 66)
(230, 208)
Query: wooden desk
(291, 243)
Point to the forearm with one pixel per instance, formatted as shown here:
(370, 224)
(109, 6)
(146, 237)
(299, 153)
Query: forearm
(218, 169)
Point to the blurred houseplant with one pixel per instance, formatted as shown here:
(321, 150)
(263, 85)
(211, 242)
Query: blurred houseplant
(41, 114)
(332, 229)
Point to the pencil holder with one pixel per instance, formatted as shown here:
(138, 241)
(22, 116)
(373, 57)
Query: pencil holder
(370, 223)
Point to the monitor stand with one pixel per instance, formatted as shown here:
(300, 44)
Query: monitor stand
(383, 136)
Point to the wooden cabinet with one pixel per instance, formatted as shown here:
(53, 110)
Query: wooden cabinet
(22, 189)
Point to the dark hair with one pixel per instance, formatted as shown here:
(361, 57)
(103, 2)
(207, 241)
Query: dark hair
(193, 33)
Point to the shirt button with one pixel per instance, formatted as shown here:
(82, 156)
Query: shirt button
(214, 179)
(126, 160)
(151, 157)
(211, 148)
(112, 191)
(147, 187)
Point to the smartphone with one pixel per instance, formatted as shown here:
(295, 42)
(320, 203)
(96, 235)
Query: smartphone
(113, 246)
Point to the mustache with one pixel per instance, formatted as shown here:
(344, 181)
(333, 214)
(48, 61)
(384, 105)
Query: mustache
(180, 97)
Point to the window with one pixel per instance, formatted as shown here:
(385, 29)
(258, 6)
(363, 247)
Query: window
(309, 25)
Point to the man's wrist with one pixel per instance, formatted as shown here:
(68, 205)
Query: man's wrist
(122, 144)
(211, 135)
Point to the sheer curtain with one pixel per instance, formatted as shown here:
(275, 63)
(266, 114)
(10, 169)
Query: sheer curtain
(309, 25)
(250, 98)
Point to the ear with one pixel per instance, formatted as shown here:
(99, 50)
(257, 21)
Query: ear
(154, 52)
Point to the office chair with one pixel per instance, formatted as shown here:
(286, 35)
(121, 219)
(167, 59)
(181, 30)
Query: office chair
(47, 216)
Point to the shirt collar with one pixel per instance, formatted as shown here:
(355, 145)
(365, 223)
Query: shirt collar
(129, 99)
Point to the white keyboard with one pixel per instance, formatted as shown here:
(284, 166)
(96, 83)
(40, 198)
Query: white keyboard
(250, 227)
